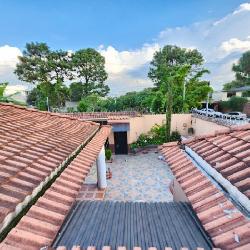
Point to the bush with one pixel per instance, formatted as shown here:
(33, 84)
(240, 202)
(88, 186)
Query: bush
(156, 136)
(175, 136)
(108, 154)
(235, 103)
(70, 109)
(82, 106)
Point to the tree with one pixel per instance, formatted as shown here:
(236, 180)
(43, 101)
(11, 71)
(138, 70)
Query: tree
(3, 86)
(235, 103)
(91, 103)
(242, 72)
(172, 56)
(176, 72)
(57, 95)
(76, 90)
(158, 103)
(82, 106)
(41, 65)
(49, 69)
(89, 68)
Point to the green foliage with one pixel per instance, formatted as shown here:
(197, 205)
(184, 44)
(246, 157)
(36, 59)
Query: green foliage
(246, 93)
(170, 57)
(39, 64)
(89, 66)
(82, 106)
(3, 86)
(158, 104)
(76, 91)
(235, 103)
(108, 154)
(57, 95)
(132, 101)
(176, 72)
(156, 136)
(49, 69)
(70, 110)
(242, 73)
(91, 103)
(175, 136)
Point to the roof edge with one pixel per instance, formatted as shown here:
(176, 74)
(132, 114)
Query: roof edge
(45, 112)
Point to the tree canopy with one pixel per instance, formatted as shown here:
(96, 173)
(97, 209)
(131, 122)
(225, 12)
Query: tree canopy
(89, 67)
(177, 72)
(50, 69)
(242, 72)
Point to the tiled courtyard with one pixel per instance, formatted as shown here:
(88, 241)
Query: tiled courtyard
(140, 177)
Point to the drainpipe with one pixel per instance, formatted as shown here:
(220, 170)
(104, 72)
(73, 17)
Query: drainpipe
(231, 189)
(101, 169)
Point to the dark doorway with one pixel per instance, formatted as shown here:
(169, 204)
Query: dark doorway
(121, 143)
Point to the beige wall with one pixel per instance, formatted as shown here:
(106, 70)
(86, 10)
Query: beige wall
(202, 127)
(139, 125)
(181, 123)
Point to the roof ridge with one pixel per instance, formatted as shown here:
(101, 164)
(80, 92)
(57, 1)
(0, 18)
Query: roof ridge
(45, 112)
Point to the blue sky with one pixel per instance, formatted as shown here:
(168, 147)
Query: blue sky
(124, 24)
(127, 33)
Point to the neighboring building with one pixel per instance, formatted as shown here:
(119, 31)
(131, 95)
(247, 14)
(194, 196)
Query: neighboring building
(40, 150)
(18, 92)
(212, 173)
(225, 95)
(128, 126)
(236, 92)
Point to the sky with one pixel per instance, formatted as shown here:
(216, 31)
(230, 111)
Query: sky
(127, 33)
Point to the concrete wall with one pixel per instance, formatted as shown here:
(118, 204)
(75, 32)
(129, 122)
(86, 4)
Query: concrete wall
(202, 127)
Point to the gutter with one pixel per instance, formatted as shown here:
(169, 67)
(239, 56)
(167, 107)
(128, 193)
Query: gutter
(233, 191)
(12, 218)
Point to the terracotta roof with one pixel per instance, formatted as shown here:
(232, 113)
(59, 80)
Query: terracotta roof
(229, 154)
(32, 145)
(103, 115)
(118, 119)
(228, 226)
(40, 225)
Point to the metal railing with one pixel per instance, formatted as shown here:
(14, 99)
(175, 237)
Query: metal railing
(225, 120)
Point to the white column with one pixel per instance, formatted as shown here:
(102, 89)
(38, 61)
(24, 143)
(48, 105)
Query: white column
(101, 169)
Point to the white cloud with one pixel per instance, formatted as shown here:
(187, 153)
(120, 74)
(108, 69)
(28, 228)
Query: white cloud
(8, 58)
(242, 7)
(235, 44)
(121, 61)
